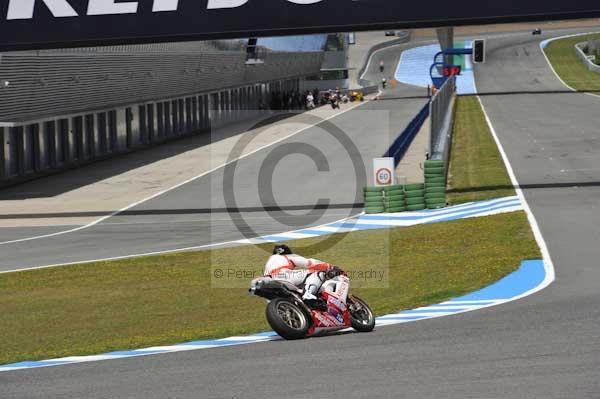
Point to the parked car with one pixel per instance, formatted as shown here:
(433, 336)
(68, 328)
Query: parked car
(390, 33)
(536, 31)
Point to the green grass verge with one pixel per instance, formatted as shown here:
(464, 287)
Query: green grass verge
(95, 308)
(569, 67)
(476, 171)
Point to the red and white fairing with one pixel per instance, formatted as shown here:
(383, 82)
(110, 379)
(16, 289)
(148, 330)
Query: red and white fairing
(337, 316)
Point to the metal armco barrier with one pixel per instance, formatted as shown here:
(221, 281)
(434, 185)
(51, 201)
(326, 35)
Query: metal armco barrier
(401, 144)
(441, 122)
(584, 58)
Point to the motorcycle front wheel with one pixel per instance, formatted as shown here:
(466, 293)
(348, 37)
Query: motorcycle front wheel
(361, 315)
(287, 319)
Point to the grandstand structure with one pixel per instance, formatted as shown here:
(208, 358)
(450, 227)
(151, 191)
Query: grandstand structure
(66, 107)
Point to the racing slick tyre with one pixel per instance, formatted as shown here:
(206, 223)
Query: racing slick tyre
(432, 190)
(415, 193)
(434, 164)
(415, 201)
(395, 198)
(362, 319)
(434, 184)
(435, 179)
(287, 319)
(435, 171)
(431, 196)
(394, 187)
(394, 192)
(373, 189)
(415, 186)
(392, 203)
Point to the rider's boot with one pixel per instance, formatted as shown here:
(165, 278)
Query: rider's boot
(312, 300)
(309, 293)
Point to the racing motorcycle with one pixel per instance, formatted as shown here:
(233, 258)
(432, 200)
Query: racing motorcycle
(291, 318)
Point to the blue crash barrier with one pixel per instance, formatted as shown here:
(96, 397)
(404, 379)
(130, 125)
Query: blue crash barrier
(401, 144)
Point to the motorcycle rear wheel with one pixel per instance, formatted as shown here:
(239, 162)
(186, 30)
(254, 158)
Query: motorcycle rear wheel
(287, 319)
(363, 319)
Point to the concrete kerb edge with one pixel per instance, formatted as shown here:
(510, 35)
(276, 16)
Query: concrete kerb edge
(584, 58)
(544, 44)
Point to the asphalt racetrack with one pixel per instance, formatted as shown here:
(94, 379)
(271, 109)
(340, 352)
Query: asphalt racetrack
(543, 346)
(196, 214)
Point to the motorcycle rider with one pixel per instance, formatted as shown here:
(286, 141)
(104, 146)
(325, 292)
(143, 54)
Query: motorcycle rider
(298, 270)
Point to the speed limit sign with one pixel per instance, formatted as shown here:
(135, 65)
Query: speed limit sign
(383, 177)
(384, 171)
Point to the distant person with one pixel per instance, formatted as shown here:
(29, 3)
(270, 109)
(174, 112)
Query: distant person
(334, 100)
(338, 96)
(381, 66)
(384, 83)
(310, 101)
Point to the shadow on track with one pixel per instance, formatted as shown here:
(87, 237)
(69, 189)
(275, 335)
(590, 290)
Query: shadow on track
(533, 186)
(146, 212)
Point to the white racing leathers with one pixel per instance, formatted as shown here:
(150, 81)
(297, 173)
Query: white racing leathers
(299, 271)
